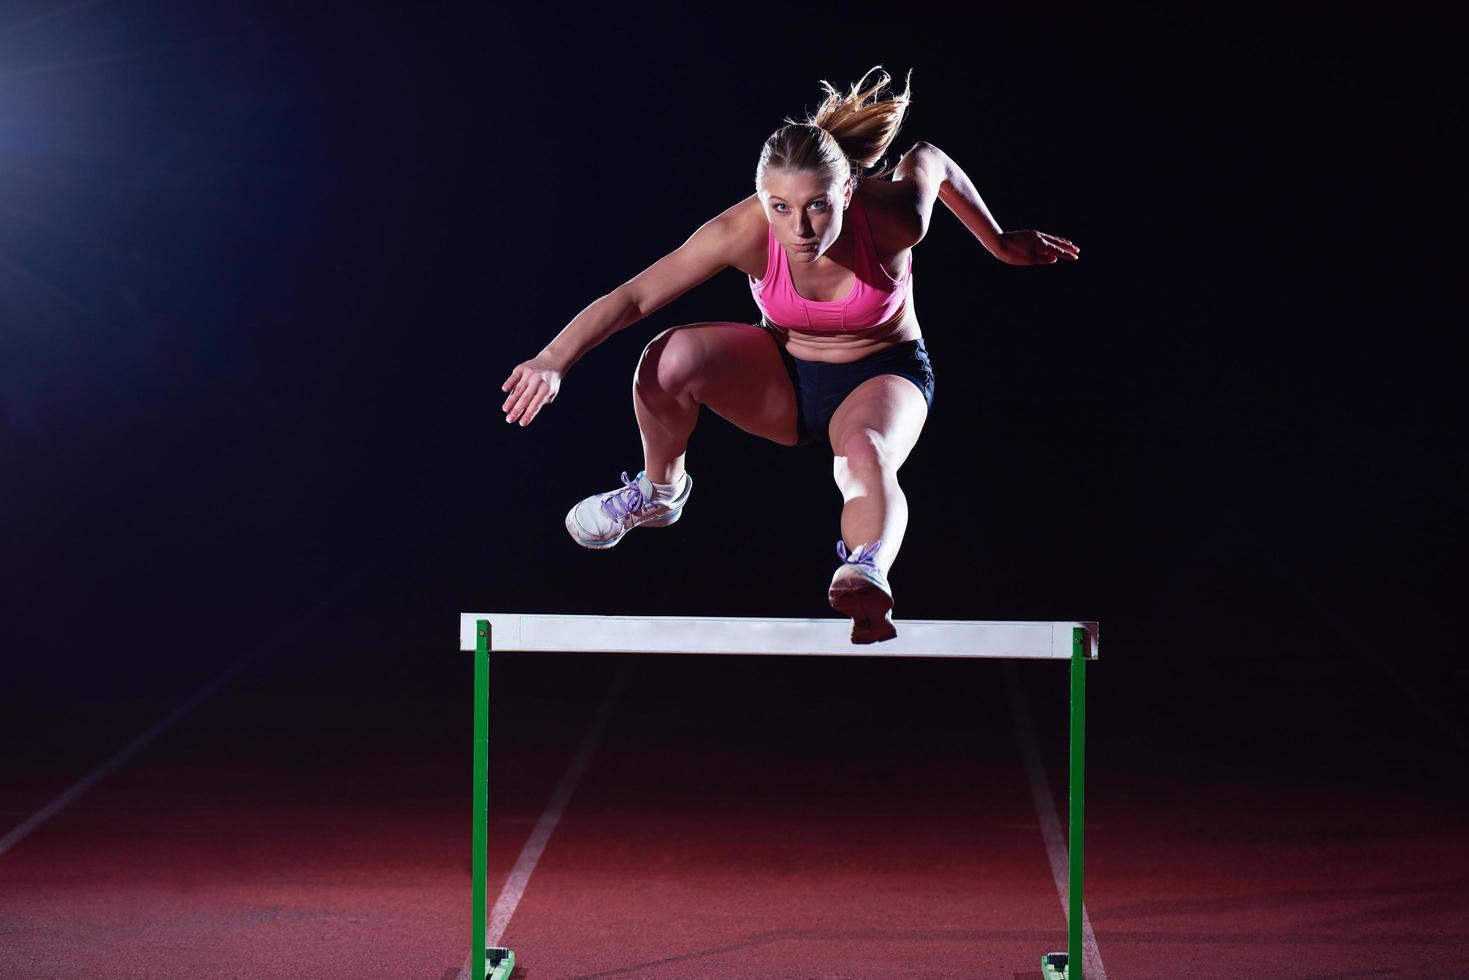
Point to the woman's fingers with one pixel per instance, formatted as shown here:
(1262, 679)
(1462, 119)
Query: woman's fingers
(535, 407)
(529, 389)
(527, 395)
(514, 395)
(1064, 245)
(1048, 253)
(537, 393)
(513, 384)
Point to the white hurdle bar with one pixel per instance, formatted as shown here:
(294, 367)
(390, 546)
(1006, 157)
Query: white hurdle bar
(1074, 642)
(527, 632)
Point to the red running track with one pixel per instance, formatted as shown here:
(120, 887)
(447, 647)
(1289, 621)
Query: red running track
(743, 816)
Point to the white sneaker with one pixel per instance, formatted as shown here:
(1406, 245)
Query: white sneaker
(602, 519)
(860, 590)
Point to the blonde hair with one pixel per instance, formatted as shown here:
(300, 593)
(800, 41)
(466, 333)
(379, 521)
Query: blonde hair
(844, 136)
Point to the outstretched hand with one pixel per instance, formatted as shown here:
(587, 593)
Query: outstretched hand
(532, 384)
(1035, 248)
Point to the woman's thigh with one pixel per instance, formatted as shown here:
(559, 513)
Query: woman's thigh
(881, 419)
(734, 368)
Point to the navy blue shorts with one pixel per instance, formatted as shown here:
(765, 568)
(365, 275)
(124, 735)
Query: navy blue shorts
(821, 387)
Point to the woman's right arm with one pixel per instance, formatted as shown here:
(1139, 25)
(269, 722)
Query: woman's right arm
(535, 382)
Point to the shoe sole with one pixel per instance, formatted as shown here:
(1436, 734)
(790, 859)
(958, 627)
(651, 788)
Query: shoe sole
(869, 607)
(604, 545)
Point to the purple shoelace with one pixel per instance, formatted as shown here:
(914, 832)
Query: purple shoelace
(624, 502)
(864, 555)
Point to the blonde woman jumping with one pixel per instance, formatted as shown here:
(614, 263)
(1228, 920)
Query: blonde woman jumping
(837, 358)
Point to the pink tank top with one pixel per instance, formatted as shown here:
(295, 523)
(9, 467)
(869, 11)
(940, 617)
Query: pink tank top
(875, 297)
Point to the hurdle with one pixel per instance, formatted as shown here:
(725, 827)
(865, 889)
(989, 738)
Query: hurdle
(480, 633)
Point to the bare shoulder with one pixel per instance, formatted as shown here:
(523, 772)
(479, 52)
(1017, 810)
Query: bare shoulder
(737, 224)
(748, 217)
(732, 234)
(748, 229)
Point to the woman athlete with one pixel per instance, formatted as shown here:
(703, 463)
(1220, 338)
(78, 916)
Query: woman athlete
(837, 357)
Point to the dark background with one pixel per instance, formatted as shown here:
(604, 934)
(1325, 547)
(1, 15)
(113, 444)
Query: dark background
(263, 268)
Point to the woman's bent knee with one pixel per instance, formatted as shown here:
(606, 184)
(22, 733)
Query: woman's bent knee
(864, 453)
(669, 362)
(733, 368)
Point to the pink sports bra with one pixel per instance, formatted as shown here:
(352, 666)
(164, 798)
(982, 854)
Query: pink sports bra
(875, 296)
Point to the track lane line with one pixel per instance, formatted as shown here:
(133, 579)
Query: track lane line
(137, 745)
(1045, 806)
(202, 694)
(540, 836)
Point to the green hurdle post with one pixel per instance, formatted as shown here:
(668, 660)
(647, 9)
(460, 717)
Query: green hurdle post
(499, 961)
(1067, 965)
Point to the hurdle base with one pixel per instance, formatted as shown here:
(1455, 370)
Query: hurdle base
(499, 963)
(1053, 966)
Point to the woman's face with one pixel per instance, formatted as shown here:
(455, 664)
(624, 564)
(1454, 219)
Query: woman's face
(805, 211)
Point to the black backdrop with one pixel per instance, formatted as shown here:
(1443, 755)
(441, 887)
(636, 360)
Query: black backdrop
(264, 267)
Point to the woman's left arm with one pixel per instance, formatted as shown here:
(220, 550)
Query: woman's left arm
(1025, 247)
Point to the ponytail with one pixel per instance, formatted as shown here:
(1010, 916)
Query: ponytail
(844, 136)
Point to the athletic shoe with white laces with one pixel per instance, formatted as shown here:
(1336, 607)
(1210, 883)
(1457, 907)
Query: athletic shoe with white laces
(602, 519)
(860, 590)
